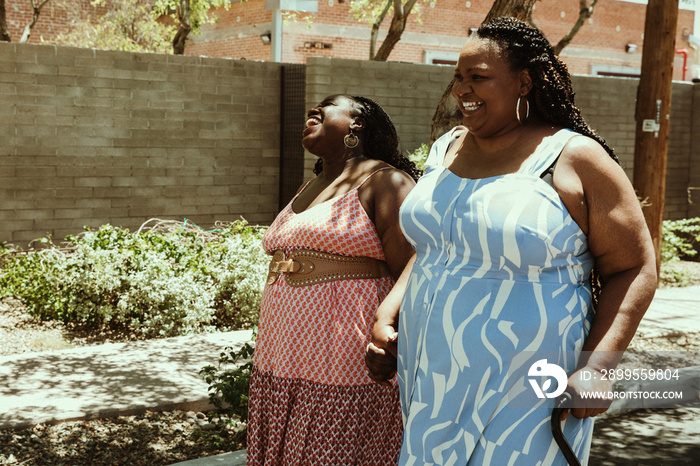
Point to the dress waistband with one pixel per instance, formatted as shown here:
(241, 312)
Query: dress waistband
(307, 267)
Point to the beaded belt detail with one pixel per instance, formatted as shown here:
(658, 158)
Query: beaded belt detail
(306, 267)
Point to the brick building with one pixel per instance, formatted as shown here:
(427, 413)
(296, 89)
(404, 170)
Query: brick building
(610, 43)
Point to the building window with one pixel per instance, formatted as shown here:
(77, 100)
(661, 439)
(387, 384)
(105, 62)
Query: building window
(440, 58)
(617, 71)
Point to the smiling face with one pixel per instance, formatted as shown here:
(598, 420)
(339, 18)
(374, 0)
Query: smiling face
(328, 123)
(486, 88)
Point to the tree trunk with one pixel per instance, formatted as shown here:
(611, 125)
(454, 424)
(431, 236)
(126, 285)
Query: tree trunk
(375, 29)
(520, 9)
(183, 17)
(180, 40)
(398, 24)
(4, 34)
(35, 17)
(652, 114)
(447, 114)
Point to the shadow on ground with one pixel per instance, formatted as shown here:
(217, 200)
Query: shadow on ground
(658, 437)
(114, 378)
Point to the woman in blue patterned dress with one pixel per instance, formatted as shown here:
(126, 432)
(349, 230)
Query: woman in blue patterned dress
(507, 266)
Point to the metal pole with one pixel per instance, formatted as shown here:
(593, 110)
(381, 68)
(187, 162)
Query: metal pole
(276, 39)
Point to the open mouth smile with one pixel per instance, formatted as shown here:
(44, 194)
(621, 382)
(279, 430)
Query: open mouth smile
(313, 121)
(471, 106)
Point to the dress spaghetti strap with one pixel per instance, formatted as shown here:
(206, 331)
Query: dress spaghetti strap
(370, 176)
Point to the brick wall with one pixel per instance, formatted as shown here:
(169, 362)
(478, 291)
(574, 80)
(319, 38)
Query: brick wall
(434, 27)
(56, 17)
(93, 137)
(442, 27)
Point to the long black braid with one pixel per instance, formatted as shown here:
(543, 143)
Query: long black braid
(379, 138)
(526, 47)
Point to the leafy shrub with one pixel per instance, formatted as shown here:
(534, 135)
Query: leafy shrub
(419, 156)
(681, 239)
(171, 279)
(229, 383)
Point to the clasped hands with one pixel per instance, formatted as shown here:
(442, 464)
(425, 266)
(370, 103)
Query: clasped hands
(380, 359)
(380, 356)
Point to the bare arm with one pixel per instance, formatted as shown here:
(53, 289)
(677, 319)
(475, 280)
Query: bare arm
(602, 201)
(388, 189)
(380, 357)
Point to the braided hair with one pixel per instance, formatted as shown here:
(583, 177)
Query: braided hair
(525, 46)
(379, 137)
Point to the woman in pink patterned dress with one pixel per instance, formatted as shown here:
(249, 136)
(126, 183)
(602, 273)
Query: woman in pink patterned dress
(337, 249)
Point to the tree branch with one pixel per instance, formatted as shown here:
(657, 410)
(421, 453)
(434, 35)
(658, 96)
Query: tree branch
(398, 24)
(4, 33)
(183, 30)
(584, 13)
(35, 17)
(375, 29)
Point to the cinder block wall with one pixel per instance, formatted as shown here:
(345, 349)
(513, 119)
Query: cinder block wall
(408, 92)
(93, 137)
(678, 163)
(694, 172)
(609, 104)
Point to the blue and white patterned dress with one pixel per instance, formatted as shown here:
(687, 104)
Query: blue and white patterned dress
(500, 281)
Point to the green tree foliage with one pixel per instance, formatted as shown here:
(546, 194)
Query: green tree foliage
(128, 25)
(189, 15)
(229, 384)
(138, 25)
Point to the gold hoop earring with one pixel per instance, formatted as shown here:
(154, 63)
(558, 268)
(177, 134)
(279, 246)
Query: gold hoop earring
(350, 140)
(527, 109)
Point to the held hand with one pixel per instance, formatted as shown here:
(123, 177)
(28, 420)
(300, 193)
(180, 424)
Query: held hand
(380, 364)
(597, 388)
(380, 357)
(385, 337)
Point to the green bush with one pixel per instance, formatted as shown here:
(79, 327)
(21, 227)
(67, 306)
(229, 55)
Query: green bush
(171, 279)
(229, 383)
(680, 240)
(419, 156)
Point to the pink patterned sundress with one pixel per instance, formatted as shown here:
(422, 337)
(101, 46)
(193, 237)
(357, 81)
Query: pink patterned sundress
(311, 400)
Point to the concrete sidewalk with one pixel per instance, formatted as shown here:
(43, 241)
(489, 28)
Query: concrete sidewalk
(110, 379)
(674, 310)
(128, 378)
